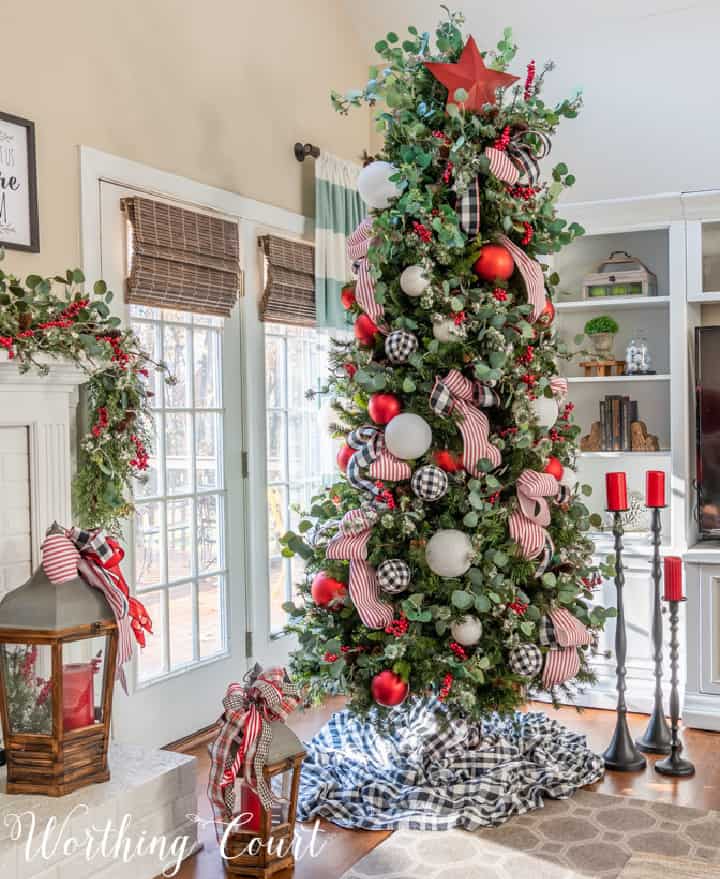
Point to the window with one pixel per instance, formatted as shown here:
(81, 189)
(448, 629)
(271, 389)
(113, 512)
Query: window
(300, 453)
(179, 548)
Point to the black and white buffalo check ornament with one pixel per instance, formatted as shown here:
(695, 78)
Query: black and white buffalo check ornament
(429, 482)
(393, 576)
(399, 345)
(526, 660)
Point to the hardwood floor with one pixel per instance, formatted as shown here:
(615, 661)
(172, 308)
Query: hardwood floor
(342, 848)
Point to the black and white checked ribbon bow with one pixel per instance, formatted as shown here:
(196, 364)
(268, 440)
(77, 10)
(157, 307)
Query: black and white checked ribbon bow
(368, 443)
(526, 155)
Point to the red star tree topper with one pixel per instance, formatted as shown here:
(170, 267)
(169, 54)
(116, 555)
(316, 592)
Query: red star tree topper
(471, 74)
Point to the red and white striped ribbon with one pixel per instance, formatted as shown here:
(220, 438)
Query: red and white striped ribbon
(569, 631)
(559, 387)
(60, 558)
(532, 275)
(502, 166)
(358, 245)
(561, 665)
(532, 489)
(474, 426)
(387, 466)
(529, 536)
(350, 544)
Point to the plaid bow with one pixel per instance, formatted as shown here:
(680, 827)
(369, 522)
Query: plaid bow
(468, 209)
(99, 566)
(525, 156)
(350, 544)
(371, 453)
(358, 245)
(455, 393)
(243, 743)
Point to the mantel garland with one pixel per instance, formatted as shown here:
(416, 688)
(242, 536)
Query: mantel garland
(56, 319)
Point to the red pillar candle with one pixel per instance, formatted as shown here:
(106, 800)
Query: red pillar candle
(78, 696)
(251, 808)
(655, 488)
(616, 492)
(673, 578)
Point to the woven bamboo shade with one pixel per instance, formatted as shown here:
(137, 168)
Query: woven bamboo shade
(289, 296)
(181, 259)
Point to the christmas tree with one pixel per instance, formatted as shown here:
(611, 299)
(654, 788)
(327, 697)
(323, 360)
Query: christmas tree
(452, 558)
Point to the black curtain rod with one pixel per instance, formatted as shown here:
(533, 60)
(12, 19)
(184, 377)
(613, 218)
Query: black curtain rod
(303, 150)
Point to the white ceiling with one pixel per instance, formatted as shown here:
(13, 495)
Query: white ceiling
(648, 70)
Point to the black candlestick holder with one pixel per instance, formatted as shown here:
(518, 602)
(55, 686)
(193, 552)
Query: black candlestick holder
(622, 754)
(656, 739)
(675, 764)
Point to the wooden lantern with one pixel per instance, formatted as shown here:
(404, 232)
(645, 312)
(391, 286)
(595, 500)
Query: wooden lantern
(58, 654)
(620, 275)
(261, 842)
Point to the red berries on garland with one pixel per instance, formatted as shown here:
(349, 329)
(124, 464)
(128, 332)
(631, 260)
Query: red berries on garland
(529, 81)
(384, 407)
(494, 261)
(503, 140)
(388, 689)
(446, 687)
(326, 591)
(366, 330)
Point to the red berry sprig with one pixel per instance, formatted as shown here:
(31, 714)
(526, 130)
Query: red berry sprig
(397, 628)
(529, 80)
(445, 689)
(500, 295)
(458, 650)
(502, 142)
(529, 232)
(518, 607)
(330, 657)
(423, 233)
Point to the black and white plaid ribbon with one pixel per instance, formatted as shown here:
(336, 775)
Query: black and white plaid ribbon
(368, 443)
(526, 155)
(468, 208)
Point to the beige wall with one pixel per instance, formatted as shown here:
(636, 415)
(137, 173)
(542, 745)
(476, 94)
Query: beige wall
(214, 90)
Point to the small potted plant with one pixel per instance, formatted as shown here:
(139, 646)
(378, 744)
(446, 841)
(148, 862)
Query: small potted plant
(601, 331)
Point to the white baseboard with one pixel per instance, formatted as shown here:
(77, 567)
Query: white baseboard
(702, 711)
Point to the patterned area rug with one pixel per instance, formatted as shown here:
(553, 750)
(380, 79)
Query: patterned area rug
(436, 773)
(591, 836)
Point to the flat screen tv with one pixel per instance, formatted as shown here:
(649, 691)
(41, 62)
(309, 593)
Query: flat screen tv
(707, 391)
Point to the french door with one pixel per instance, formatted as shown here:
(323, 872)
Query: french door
(186, 545)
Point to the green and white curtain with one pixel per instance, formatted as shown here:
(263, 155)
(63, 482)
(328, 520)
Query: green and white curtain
(338, 210)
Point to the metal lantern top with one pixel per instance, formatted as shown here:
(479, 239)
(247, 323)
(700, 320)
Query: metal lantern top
(620, 275)
(285, 744)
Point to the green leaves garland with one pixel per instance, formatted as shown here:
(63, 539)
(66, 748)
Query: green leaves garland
(437, 152)
(52, 319)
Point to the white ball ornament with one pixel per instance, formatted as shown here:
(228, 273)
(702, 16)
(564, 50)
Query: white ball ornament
(413, 281)
(545, 410)
(466, 631)
(408, 436)
(374, 185)
(449, 553)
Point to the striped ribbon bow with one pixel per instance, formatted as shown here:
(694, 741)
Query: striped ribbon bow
(371, 453)
(350, 544)
(566, 634)
(528, 524)
(532, 275)
(559, 387)
(460, 394)
(243, 742)
(99, 566)
(358, 244)
(526, 156)
(501, 166)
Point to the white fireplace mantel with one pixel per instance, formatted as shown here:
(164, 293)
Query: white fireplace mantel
(46, 406)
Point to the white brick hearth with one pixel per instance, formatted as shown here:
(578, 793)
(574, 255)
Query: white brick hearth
(154, 789)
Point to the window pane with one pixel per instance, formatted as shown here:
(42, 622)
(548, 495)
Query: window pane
(209, 530)
(206, 350)
(180, 601)
(208, 428)
(176, 315)
(275, 372)
(278, 586)
(179, 538)
(152, 485)
(178, 460)
(149, 530)
(151, 662)
(176, 350)
(277, 471)
(144, 311)
(149, 341)
(277, 518)
(298, 371)
(211, 602)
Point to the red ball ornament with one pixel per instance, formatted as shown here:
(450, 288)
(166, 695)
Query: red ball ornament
(365, 330)
(388, 689)
(347, 297)
(447, 461)
(384, 407)
(547, 315)
(495, 261)
(343, 457)
(554, 468)
(326, 591)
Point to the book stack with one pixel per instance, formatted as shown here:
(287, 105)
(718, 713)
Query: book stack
(616, 415)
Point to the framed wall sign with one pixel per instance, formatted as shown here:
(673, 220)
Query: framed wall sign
(19, 226)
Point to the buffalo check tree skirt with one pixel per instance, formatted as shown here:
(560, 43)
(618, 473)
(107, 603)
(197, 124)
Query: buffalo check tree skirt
(430, 772)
